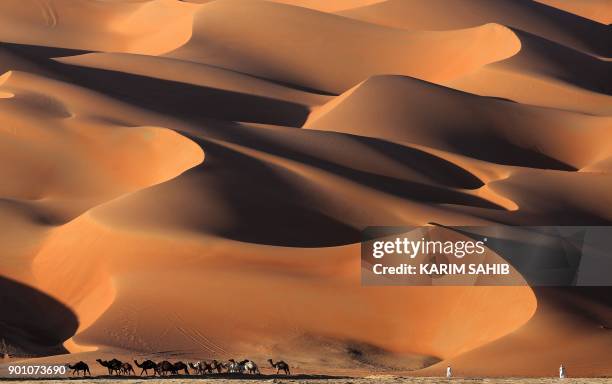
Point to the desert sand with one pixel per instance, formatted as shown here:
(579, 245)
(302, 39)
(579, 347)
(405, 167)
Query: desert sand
(189, 179)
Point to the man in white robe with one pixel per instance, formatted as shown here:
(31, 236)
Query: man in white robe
(561, 372)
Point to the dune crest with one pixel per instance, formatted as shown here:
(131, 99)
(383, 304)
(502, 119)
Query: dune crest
(406, 111)
(316, 64)
(124, 26)
(329, 6)
(529, 16)
(596, 10)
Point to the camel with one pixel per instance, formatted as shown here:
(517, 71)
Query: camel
(145, 366)
(180, 366)
(198, 367)
(111, 365)
(249, 366)
(127, 369)
(208, 367)
(280, 366)
(78, 367)
(217, 366)
(201, 367)
(232, 366)
(164, 367)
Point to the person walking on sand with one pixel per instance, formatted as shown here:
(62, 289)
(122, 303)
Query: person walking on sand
(561, 371)
(449, 372)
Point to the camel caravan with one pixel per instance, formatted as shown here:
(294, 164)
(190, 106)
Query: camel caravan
(165, 368)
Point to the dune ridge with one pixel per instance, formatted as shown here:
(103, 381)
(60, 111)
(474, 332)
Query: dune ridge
(293, 60)
(125, 26)
(407, 112)
(529, 16)
(597, 10)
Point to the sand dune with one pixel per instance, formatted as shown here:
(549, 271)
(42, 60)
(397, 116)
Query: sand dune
(61, 158)
(529, 16)
(407, 110)
(200, 75)
(575, 336)
(34, 117)
(545, 74)
(295, 58)
(125, 26)
(211, 328)
(329, 6)
(190, 179)
(564, 77)
(597, 10)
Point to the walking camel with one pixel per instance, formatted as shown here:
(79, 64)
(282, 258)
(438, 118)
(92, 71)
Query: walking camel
(78, 367)
(217, 366)
(197, 367)
(164, 367)
(280, 366)
(127, 369)
(201, 367)
(249, 366)
(233, 366)
(145, 366)
(207, 367)
(180, 366)
(113, 365)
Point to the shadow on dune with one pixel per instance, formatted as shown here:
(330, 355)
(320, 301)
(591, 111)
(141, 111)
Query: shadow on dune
(590, 33)
(542, 56)
(267, 204)
(593, 303)
(167, 97)
(408, 189)
(40, 52)
(31, 322)
(492, 148)
(419, 112)
(183, 100)
(240, 197)
(435, 169)
(32, 58)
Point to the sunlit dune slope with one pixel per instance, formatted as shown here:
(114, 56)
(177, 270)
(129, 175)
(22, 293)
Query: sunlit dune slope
(277, 42)
(67, 151)
(142, 26)
(364, 319)
(512, 65)
(61, 157)
(597, 10)
(581, 336)
(529, 16)
(546, 74)
(329, 6)
(410, 110)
